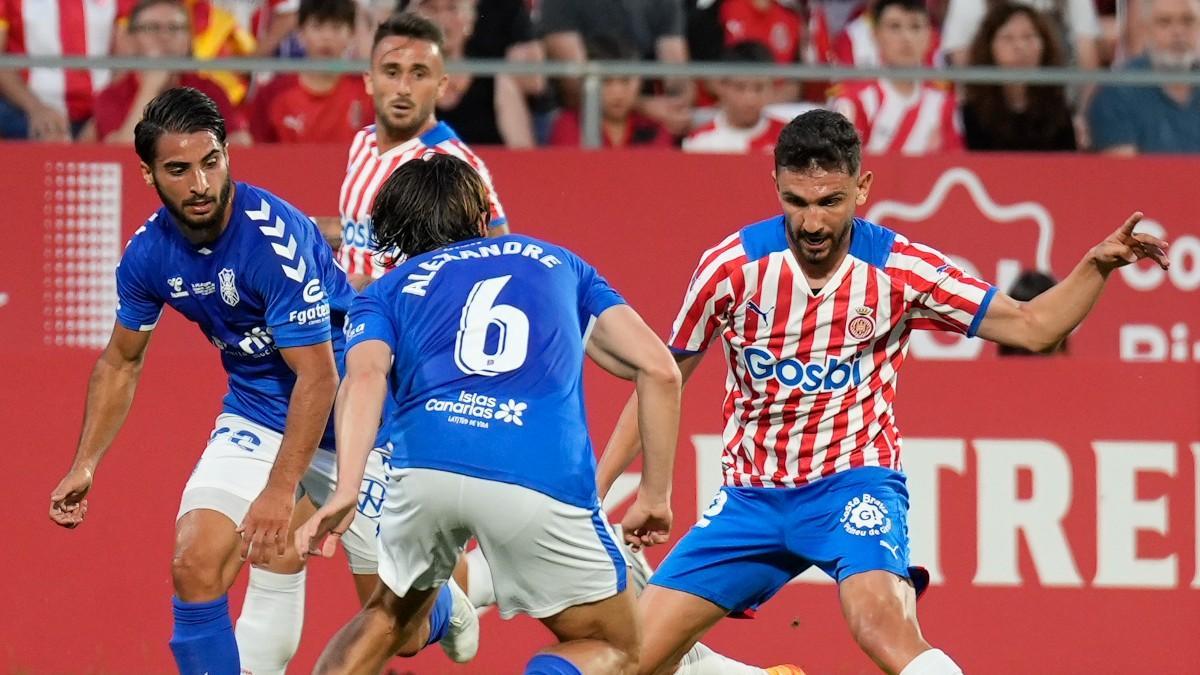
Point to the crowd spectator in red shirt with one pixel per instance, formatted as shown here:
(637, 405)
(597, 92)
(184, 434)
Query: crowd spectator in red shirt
(53, 104)
(901, 116)
(621, 125)
(764, 21)
(741, 125)
(315, 107)
(158, 29)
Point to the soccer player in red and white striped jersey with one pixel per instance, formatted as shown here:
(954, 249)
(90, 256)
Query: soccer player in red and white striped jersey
(814, 309)
(56, 102)
(898, 116)
(406, 78)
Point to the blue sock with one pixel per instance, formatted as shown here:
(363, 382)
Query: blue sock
(203, 639)
(439, 618)
(551, 664)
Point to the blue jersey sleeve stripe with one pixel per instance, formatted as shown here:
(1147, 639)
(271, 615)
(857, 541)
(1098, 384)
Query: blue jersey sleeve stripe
(136, 325)
(498, 222)
(301, 336)
(684, 352)
(983, 308)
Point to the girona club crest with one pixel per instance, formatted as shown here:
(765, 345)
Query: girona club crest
(862, 325)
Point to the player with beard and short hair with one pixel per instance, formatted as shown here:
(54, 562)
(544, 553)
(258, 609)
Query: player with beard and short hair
(814, 308)
(256, 276)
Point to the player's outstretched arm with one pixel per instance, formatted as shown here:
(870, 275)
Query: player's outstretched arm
(110, 394)
(264, 530)
(356, 418)
(626, 443)
(1042, 323)
(624, 345)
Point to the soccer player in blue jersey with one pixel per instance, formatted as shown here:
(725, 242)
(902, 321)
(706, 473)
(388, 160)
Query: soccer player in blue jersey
(480, 345)
(255, 275)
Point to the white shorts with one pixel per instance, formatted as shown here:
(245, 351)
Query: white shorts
(546, 556)
(234, 468)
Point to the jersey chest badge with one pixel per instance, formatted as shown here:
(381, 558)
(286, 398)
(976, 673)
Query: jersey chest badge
(229, 291)
(862, 325)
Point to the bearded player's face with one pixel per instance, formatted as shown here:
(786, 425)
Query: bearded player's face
(191, 176)
(819, 207)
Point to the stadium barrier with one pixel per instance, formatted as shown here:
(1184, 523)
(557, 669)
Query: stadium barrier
(592, 73)
(1056, 501)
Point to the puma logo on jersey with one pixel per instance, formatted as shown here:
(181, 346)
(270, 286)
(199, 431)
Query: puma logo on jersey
(758, 310)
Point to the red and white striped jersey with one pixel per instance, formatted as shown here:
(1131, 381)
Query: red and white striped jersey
(367, 169)
(719, 136)
(811, 374)
(63, 28)
(889, 122)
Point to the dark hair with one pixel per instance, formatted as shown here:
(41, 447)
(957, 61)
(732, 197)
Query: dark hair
(328, 11)
(905, 5)
(1047, 109)
(747, 51)
(144, 5)
(819, 139)
(427, 204)
(609, 48)
(181, 110)
(1029, 285)
(409, 25)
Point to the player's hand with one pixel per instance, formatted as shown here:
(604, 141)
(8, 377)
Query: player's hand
(319, 535)
(264, 530)
(48, 124)
(68, 501)
(647, 523)
(1125, 247)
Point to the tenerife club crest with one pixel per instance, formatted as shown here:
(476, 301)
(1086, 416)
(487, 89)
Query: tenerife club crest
(229, 291)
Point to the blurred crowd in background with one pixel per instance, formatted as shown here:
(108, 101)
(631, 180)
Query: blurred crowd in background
(725, 114)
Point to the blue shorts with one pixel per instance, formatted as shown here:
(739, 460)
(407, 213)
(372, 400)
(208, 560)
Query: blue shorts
(750, 542)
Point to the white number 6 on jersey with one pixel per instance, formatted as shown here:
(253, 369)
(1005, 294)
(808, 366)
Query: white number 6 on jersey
(478, 316)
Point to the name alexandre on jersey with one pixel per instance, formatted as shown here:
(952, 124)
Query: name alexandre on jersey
(418, 282)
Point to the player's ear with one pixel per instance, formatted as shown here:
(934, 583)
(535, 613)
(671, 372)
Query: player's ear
(147, 174)
(864, 187)
(367, 83)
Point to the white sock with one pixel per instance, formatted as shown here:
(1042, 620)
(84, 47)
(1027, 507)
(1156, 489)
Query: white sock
(268, 630)
(479, 579)
(703, 661)
(932, 662)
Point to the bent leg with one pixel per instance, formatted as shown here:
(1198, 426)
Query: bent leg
(381, 628)
(598, 637)
(672, 622)
(881, 612)
(203, 568)
(272, 618)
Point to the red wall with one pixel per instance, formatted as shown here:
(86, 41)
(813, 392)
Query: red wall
(1056, 499)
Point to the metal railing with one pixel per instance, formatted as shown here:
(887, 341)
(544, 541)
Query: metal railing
(593, 72)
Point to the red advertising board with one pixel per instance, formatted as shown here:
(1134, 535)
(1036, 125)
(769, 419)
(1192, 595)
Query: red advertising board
(1055, 500)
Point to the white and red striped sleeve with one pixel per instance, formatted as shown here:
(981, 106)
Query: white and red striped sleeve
(709, 297)
(941, 295)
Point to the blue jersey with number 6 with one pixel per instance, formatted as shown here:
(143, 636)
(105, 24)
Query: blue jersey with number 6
(488, 339)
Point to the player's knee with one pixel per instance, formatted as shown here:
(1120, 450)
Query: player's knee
(883, 632)
(196, 577)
